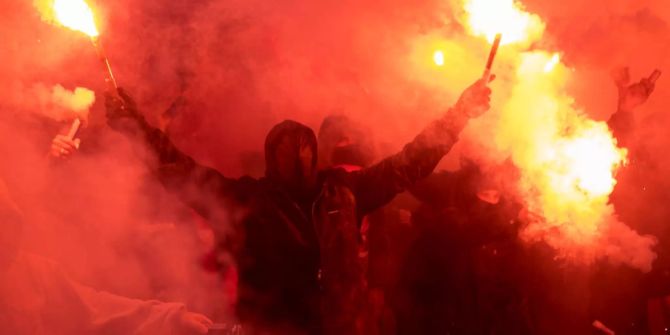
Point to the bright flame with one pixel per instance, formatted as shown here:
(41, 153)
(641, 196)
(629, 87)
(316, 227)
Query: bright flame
(490, 17)
(567, 164)
(438, 58)
(552, 63)
(591, 158)
(76, 15)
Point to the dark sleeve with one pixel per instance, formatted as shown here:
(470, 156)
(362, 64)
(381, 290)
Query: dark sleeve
(436, 186)
(377, 185)
(622, 125)
(200, 187)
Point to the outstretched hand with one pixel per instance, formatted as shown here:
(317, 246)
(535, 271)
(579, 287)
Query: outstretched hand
(120, 108)
(476, 99)
(632, 96)
(194, 323)
(63, 147)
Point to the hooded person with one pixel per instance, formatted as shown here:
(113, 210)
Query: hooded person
(274, 241)
(383, 235)
(38, 298)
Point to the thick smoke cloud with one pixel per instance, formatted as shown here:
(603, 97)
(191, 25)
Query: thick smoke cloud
(238, 67)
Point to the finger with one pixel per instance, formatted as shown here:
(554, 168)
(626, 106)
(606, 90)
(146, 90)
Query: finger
(67, 152)
(61, 142)
(199, 328)
(122, 92)
(59, 145)
(58, 142)
(61, 153)
(650, 89)
(126, 98)
(648, 86)
(204, 319)
(621, 77)
(67, 145)
(654, 76)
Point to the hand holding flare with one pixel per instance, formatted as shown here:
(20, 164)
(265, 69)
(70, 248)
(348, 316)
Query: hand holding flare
(77, 15)
(477, 97)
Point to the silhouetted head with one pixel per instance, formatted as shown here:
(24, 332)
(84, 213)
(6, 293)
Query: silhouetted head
(343, 142)
(290, 157)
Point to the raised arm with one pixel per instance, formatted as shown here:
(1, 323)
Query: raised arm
(631, 96)
(377, 185)
(197, 185)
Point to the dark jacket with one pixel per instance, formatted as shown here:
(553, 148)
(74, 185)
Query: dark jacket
(273, 235)
(461, 275)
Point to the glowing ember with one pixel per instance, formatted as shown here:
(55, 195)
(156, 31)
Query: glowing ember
(76, 15)
(438, 58)
(490, 17)
(552, 63)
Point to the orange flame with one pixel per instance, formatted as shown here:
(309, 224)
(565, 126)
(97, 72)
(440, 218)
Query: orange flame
(76, 15)
(490, 17)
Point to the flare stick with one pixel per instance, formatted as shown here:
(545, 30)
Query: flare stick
(492, 56)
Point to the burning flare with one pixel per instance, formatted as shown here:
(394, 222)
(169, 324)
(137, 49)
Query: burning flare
(507, 17)
(73, 14)
(76, 15)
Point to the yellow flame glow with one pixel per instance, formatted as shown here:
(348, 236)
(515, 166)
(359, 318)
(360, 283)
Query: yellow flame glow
(591, 158)
(76, 15)
(567, 160)
(490, 17)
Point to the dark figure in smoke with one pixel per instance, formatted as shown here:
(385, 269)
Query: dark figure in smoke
(381, 235)
(462, 273)
(274, 240)
(581, 299)
(620, 294)
(38, 298)
(344, 300)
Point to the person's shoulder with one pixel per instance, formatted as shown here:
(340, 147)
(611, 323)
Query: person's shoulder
(248, 180)
(246, 186)
(333, 173)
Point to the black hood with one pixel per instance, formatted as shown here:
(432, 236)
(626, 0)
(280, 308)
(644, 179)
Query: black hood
(287, 128)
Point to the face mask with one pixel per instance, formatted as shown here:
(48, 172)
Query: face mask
(350, 154)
